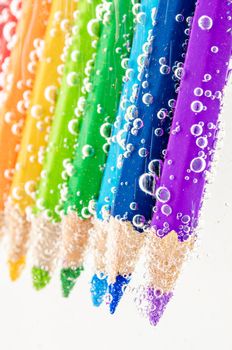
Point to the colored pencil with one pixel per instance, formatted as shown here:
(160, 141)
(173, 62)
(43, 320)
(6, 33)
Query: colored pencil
(190, 152)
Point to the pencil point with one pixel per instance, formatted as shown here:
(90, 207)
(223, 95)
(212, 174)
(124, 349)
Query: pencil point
(157, 303)
(40, 278)
(116, 290)
(99, 287)
(16, 268)
(68, 278)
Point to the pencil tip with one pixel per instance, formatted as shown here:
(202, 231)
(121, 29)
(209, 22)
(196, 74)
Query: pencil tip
(99, 287)
(40, 278)
(116, 290)
(157, 303)
(16, 268)
(68, 278)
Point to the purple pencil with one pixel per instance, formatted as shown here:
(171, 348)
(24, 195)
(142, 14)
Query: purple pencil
(190, 152)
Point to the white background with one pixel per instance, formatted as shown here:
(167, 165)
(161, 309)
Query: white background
(199, 316)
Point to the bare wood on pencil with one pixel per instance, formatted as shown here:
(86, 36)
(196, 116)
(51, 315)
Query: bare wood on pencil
(74, 238)
(123, 246)
(165, 258)
(98, 241)
(46, 237)
(18, 228)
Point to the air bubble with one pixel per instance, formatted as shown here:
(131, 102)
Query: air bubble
(50, 93)
(179, 72)
(198, 165)
(198, 91)
(147, 99)
(143, 152)
(74, 55)
(202, 142)
(72, 79)
(105, 130)
(196, 130)
(166, 209)
(205, 22)
(132, 112)
(93, 27)
(197, 106)
(139, 221)
(155, 166)
(141, 18)
(214, 49)
(163, 194)
(72, 126)
(162, 114)
(179, 18)
(133, 206)
(147, 183)
(87, 151)
(158, 132)
(36, 111)
(164, 69)
(138, 123)
(185, 219)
